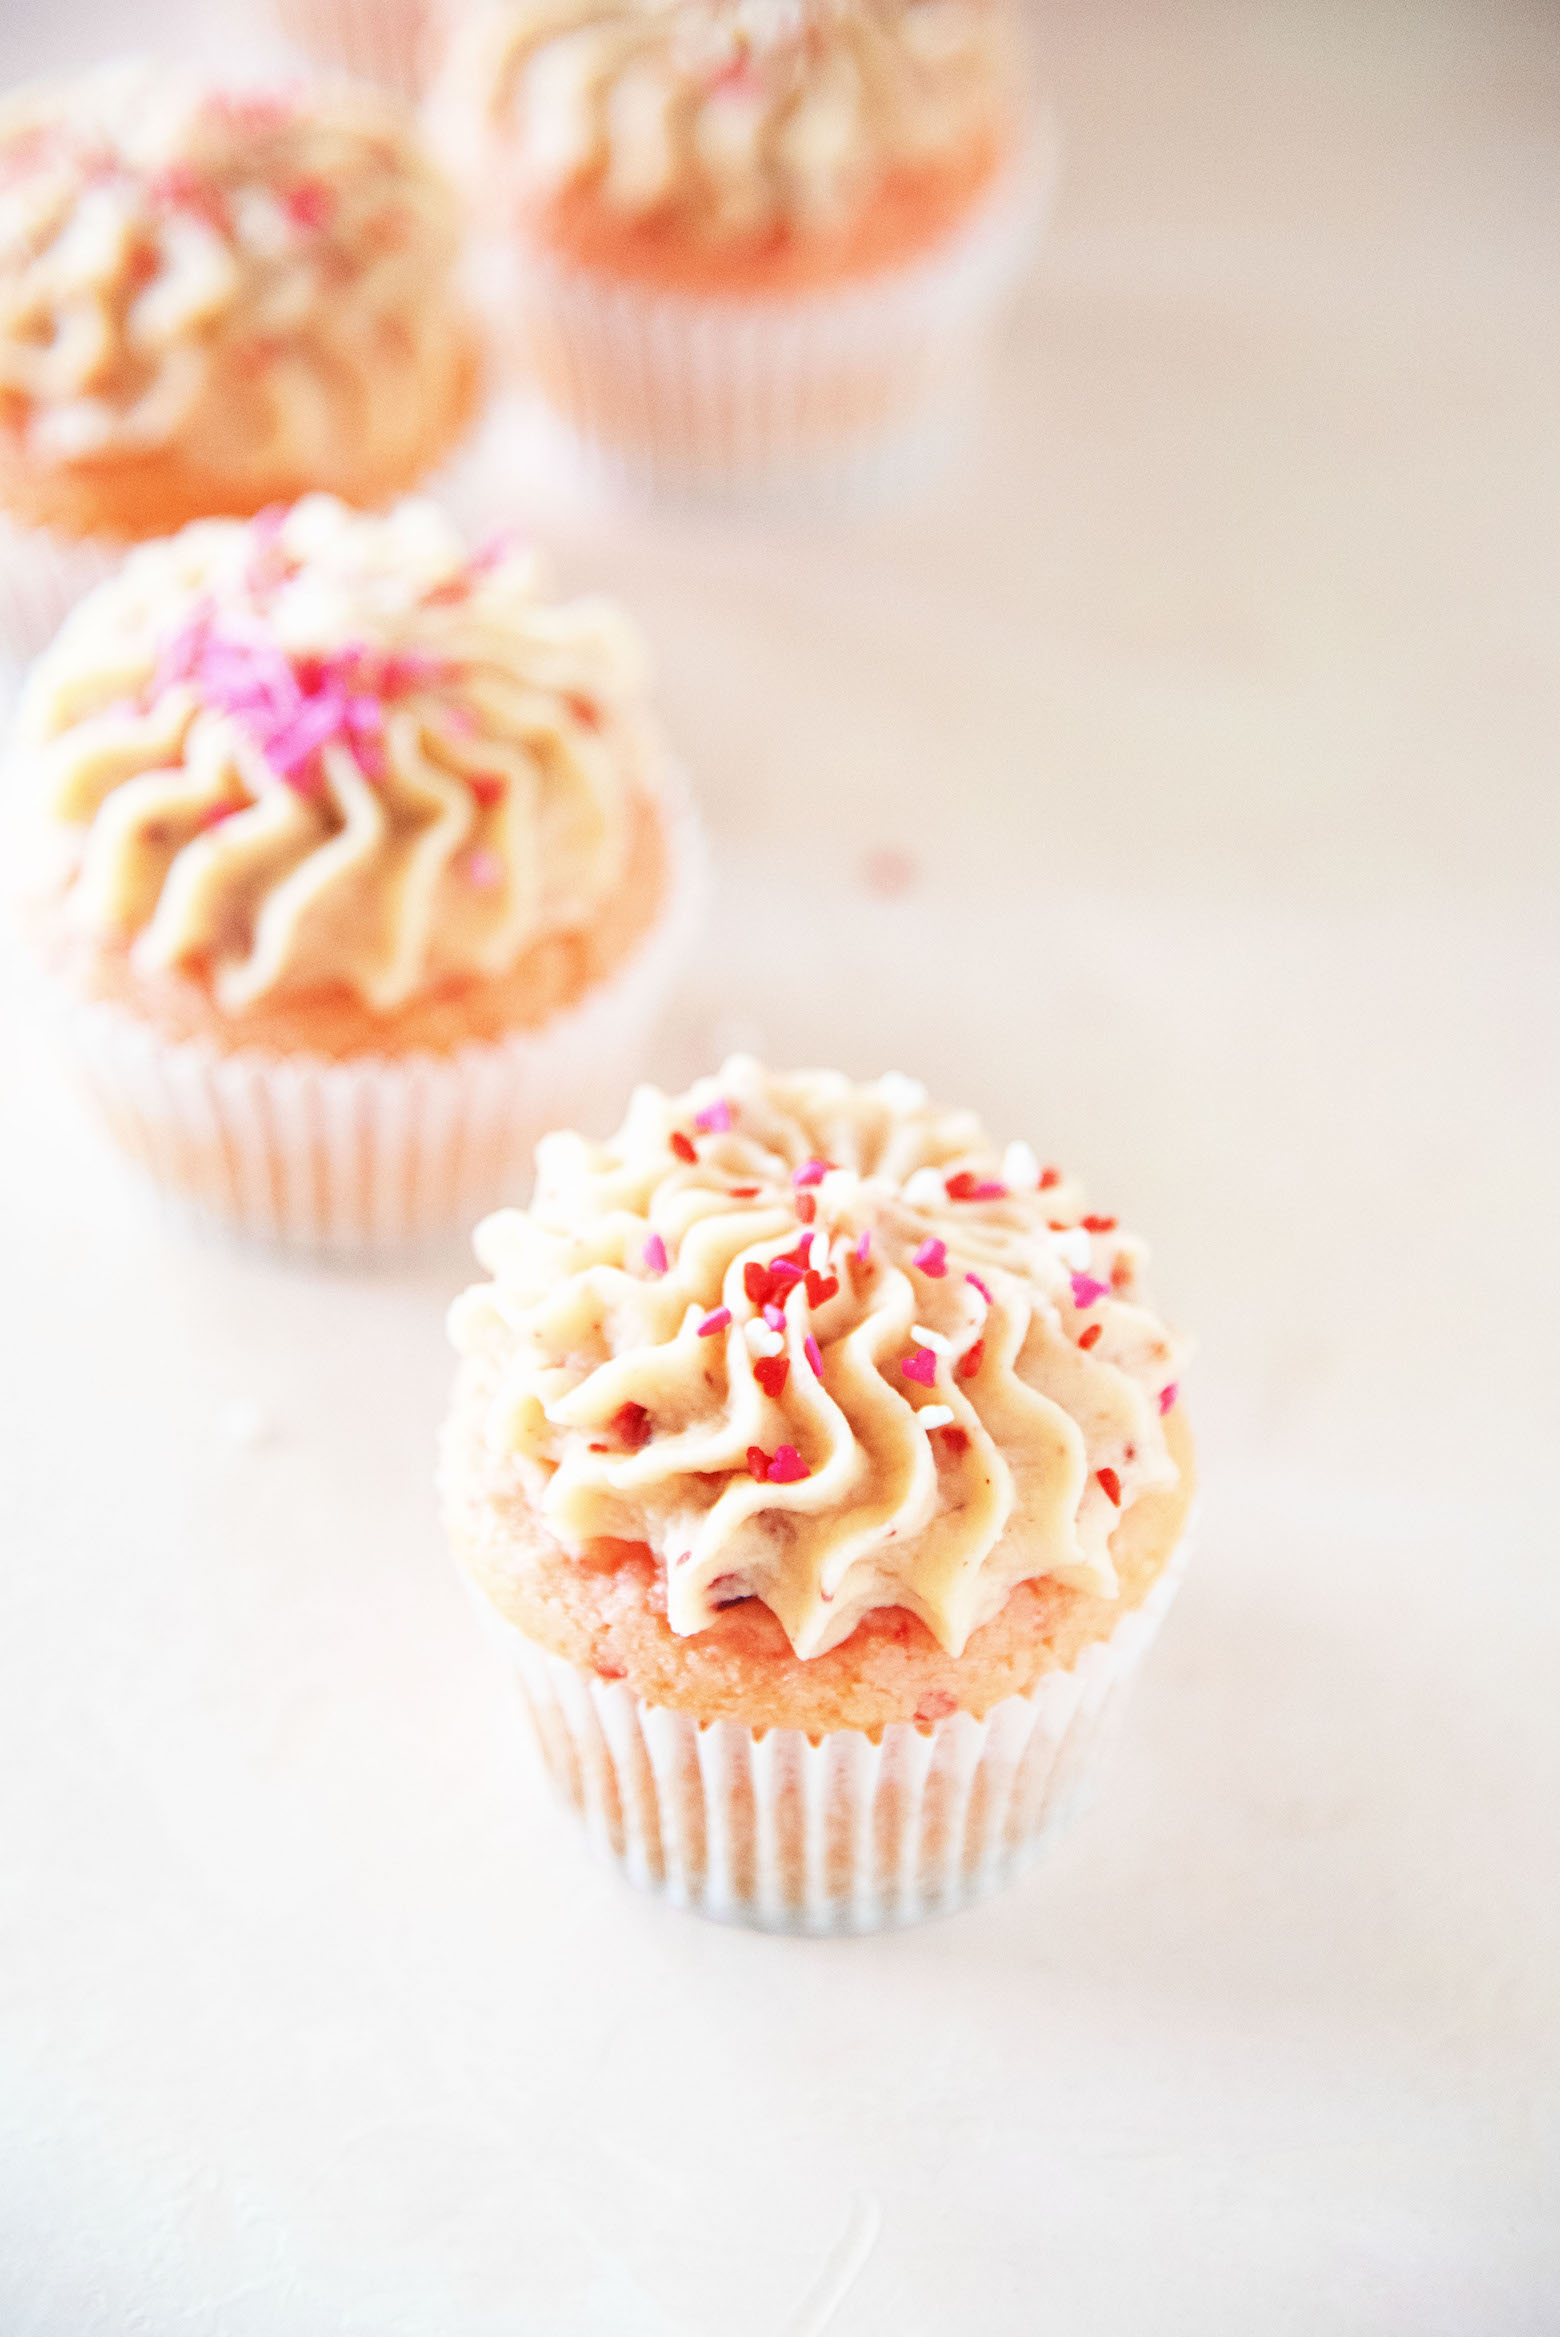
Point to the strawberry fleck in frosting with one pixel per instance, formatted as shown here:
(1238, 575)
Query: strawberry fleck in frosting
(743, 118)
(257, 281)
(321, 748)
(819, 1344)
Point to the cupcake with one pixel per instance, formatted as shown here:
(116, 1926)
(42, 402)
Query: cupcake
(819, 1472)
(210, 300)
(354, 863)
(742, 243)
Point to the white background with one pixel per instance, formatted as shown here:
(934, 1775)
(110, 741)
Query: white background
(1218, 701)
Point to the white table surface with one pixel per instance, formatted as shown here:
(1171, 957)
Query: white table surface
(1217, 701)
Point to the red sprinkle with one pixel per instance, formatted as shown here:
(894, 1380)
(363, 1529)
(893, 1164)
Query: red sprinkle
(819, 1291)
(814, 1355)
(758, 1462)
(921, 1364)
(755, 1283)
(1111, 1485)
(956, 1439)
(970, 1361)
(310, 205)
(631, 1426)
(487, 787)
(715, 1321)
(788, 1467)
(1167, 1396)
(1098, 1224)
(771, 1373)
(1048, 1178)
(1121, 1272)
(961, 1187)
(932, 1258)
(683, 1146)
(743, 1192)
(1088, 1337)
(583, 710)
(806, 1208)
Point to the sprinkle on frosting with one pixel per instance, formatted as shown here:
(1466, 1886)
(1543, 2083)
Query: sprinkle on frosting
(816, 1477)
(261, 282)
(285, 755)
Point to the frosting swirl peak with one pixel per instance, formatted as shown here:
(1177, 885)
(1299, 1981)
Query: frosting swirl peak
(818, 1344)
(327, 749)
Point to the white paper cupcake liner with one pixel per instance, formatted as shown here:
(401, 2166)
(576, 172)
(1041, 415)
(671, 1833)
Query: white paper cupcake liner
(792, 398)
(42, 576)
(377, 1156)
(395, 43)
(840, 1836)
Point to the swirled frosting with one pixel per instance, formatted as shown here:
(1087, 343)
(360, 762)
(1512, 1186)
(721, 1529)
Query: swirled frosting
(321, 748)
(744, 116)
(818, 1344)
(260, 281)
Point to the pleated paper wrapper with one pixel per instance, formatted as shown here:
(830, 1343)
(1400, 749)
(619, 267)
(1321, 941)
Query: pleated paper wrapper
(379, 1156)
(396, 44)
(845, 1835)
(802, 397)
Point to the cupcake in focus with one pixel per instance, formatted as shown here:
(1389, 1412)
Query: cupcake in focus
(744, 243)
(355, 862)
(210, 300)
(820, 1472)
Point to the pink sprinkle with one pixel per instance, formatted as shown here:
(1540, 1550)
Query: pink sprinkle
(1167, 1396)
(310, 205)
(921, 1364)
(774, 1318)
(863, 1247)
(714, 1322)
(981, 1287)
(715, 1119)
(484, 870)
(788, 1467)
(989, 1190)
(786, 1268)
(813, 1353)
(461, 718)
(655, 1254)
(932, 1258)
(1086, 1290)
(811, 1172)
(501, 546)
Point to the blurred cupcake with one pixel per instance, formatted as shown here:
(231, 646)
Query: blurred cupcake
(355, 862)
(743, 242)
(819, 1472)
(210, 300)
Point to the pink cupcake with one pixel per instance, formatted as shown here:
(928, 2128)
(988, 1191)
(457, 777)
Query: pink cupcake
(818, 1471)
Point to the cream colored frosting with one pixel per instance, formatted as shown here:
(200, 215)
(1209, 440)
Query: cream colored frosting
(626, 1325)
(749, 114)
(322, 748)
(261, 281)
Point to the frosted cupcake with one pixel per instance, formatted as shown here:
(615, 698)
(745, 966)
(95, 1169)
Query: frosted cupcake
(397, 43)
(210, 300)
(355, 861)
(749, 242)
(819, 1471)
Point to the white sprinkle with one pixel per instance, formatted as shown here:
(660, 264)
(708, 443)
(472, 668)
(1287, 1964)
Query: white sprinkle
(761, 1339)
(925, 1190)
(934, 1415)
(900, 1093)
(1073, 1248)
(925, 1338)
(1020, 1168)
(818, 1255)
